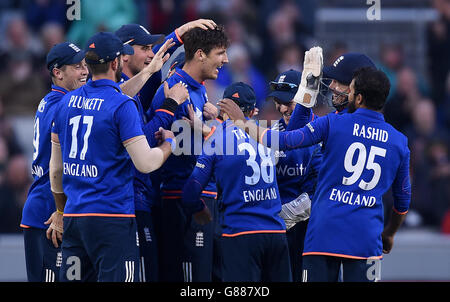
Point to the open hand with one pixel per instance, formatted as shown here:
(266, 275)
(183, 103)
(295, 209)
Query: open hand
(178, 92)
(160, 57)
(55, 230)
(233, 111)
(201, 23)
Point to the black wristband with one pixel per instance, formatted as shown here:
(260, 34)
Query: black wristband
(170, 105)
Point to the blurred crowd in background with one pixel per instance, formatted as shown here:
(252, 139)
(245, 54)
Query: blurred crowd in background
(267, 37)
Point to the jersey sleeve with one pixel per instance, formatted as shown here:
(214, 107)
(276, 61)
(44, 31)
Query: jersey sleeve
(157, 102)
(312, 173)
(176, 39)
(163, 117)
(198, 180)
(401, 187)
(313, 133)
(128, 121)
(300, 117)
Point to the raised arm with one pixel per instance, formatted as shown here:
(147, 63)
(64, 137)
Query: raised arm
(135, 84)
(311, 134)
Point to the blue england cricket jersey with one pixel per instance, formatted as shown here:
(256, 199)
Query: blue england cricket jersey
(177, 169)
(363, 157)
(40, 203)
(296, 169)
(249, 200)
(92, 124)
(144, 193)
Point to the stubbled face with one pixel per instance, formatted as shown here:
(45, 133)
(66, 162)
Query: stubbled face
(216, 58)
(143, 55)
(340, 92)
(285, 110)
(118, 72)
(351, 107)
(74, 76)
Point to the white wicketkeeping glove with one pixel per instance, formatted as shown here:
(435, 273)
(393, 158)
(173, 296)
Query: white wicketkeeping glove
(311, 75)
(296, 210)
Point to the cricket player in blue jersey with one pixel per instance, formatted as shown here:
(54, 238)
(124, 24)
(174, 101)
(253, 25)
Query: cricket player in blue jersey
(139, 66)
(296, 170)
(68, 71)
(145, 80)
(363, 157)
(97, 132)
(253, 244)
(187, 246)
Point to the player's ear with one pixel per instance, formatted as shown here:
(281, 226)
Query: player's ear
(200, 55)
(115, 63)
(252, 113)
(359, 99)
(57, 73)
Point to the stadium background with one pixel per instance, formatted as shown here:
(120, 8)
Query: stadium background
(411, 43)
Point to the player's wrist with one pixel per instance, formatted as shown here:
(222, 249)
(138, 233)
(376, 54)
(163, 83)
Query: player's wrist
(172, 142)
(169, 104)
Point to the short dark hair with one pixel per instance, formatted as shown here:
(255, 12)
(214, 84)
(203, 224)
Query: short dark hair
(205, 40)
(373, 85)
(95, 69)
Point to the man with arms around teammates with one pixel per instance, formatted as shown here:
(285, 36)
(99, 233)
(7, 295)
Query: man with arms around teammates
(96, 133)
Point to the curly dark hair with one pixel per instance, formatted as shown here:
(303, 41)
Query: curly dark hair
(205, 40)
(373, 85)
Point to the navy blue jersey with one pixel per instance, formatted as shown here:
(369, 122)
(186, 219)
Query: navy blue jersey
(363, 157)
(40, 204)
(92, 124)
(177, 169)
(245, 177)
(296, 169)
(144, 193)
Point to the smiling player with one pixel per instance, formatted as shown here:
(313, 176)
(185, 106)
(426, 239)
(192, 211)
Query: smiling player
(68, 71)
(205, 53)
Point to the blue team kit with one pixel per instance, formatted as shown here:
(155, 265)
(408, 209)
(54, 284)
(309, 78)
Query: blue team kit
(358, 173)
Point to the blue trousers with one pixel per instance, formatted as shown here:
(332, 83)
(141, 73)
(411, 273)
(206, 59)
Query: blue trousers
(187, 249)
(260, 257)
(100, 249)
(42, 259)
(148, 247)
(320, 268)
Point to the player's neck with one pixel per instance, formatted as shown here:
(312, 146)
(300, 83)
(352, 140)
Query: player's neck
(105, 76)
(363, 106)
(127, 71)
(193, 71)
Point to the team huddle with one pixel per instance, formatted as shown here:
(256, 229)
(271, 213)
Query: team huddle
(139, 178)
